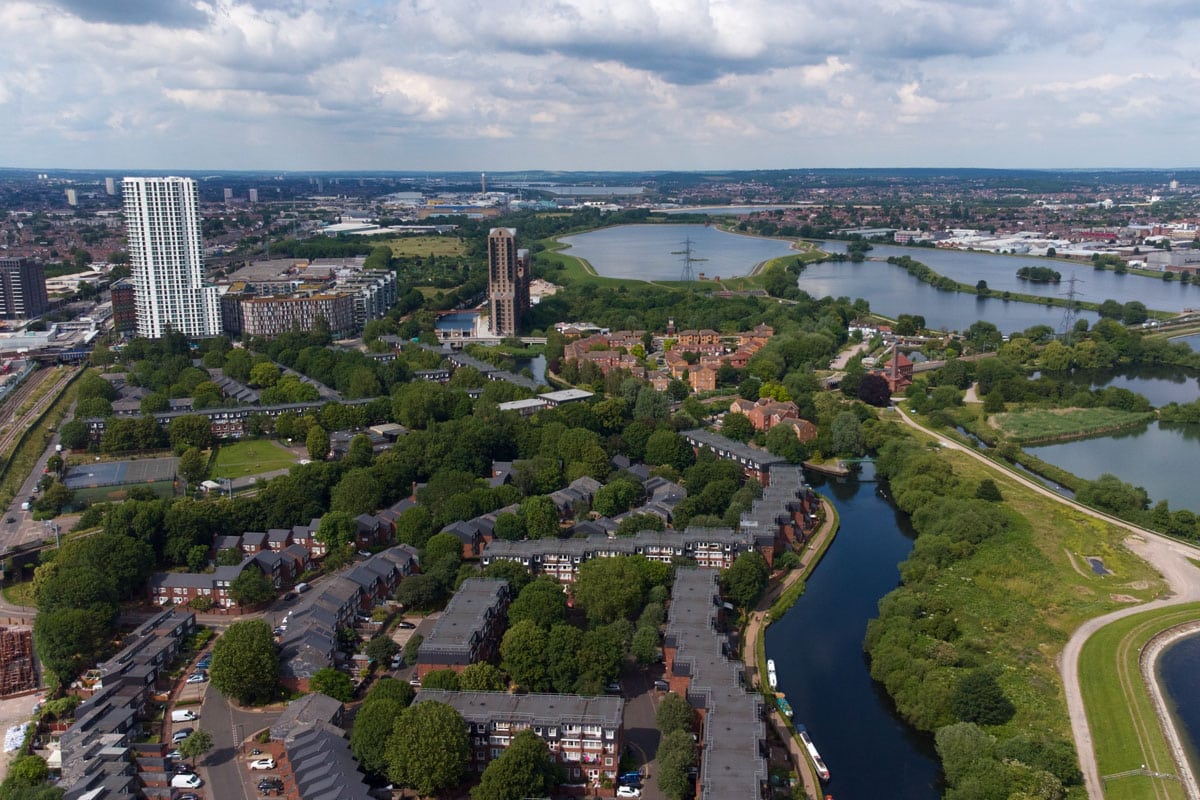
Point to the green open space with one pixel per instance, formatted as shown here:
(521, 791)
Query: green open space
(1125, 727)
(115, 494)
(1052, 424)
(426, 246)
(250, 458)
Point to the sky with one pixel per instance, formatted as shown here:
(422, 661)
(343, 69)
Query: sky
(598, 84)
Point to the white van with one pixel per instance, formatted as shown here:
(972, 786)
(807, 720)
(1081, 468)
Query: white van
(188, 780)
(185, 715)
(301, 587)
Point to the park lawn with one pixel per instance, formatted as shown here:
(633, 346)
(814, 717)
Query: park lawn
(1019, 596)
(1121, 715)
(1048, 424)
(427, 245)
(251, 458)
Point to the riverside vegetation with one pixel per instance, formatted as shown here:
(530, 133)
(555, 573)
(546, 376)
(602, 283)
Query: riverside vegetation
(966, 646)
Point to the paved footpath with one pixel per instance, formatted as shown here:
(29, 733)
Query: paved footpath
(758, 623)
(1168, 556)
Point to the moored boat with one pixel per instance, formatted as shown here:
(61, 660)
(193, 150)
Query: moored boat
(785, 707)
(822, 770)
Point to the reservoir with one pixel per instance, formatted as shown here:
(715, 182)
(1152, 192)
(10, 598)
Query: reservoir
(1159, 385)
(650, 252)
(1181, 684)
(1192, 341)
(1159, 457)
(1093, 285)
(818, 651)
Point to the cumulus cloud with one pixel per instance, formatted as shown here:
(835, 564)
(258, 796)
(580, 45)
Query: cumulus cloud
(625, 83)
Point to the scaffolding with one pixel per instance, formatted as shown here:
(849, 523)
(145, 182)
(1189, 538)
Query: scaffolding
(17, 673)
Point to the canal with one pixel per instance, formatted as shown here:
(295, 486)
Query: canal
(818, 652)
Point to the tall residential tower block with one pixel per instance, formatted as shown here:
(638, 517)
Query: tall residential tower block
(508, 282)
(166, 248)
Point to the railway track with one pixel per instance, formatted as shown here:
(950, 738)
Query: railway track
(17, 427)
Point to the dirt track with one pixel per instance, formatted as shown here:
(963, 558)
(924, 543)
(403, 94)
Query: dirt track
(1168, 556)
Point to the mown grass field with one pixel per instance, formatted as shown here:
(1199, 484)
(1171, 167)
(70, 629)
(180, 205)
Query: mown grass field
(1046, 424)
(426, 245)
(1124, 726)
(250, 458)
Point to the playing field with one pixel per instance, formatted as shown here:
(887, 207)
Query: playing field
(427, 245)
(251, 458)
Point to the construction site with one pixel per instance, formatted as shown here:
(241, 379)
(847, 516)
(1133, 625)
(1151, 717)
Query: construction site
(17, 672)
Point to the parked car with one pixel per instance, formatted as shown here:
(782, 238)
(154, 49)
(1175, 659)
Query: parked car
(270, 783)
(182, 734)
(197, 677)
(189, 781)
(188, 796)
(630, 778)
(175, 754)
(263, 763)
(662, 686)
(406, 625)
(628, 791)
(398, 661)
(612, 688)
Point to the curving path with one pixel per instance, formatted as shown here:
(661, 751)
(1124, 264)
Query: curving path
(1168, 556)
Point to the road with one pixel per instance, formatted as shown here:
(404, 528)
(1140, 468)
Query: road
(640, 719)
(226, 776)
(1167, 555)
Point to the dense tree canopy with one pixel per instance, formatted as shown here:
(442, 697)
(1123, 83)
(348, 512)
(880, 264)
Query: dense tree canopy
(245, 663)
(428, 749)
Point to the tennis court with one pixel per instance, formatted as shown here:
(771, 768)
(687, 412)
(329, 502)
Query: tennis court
(121, 473)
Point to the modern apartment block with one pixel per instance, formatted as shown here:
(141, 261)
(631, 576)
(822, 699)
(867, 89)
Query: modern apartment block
(585, 734)
(508, 282)
(733, 734)
(22, 289)
(270, 316)
(469, 630)
(166, 247)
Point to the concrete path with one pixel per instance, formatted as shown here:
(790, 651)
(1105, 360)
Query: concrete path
(1168, 556)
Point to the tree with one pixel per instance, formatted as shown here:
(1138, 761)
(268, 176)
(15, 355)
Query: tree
(358, 492)
(989, 491)
(845, 434)
(390, 689)
(429, 748)
(337, 529)
(245, 663)
(191, 430)
(542, 601)
(676, 754)
(251, 588)
(668, 447)
(193, 466)
(873, 390)
(675, 714)
(372, 726)
(196, 745)
(264, 375)
(381, 649)
(746, 578)
(482, 677)
(541, 517)
(334, 683)
(978, 698)
(509, 527)
(1134, 313)
(446, 679)
(69, 640)
(610, 588)
(645, 644)
(317, 443)
(523, 655)
(563, 646)
(360, 452)
(782, 441)
(74, 434)
(524, 769)
(27, 771)
(414, 526)
(737, 427)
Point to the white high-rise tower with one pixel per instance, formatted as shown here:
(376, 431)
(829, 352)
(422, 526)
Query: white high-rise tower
(166, 249)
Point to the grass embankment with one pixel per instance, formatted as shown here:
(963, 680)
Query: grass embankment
(426, 246)
(33, 443)
(1125, 727)
(251, 458)
(1039, 425)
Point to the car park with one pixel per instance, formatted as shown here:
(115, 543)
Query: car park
(263, 763)
(182, 734)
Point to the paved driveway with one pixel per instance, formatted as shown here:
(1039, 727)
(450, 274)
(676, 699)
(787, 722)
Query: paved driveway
(641, 727)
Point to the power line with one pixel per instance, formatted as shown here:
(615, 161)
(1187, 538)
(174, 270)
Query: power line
(688, 259)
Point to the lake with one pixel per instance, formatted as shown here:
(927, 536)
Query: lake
(649, 252)
(1092, 285)
(818, 652)
(1159, 385)
(1192, 341)
(1160, 457)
